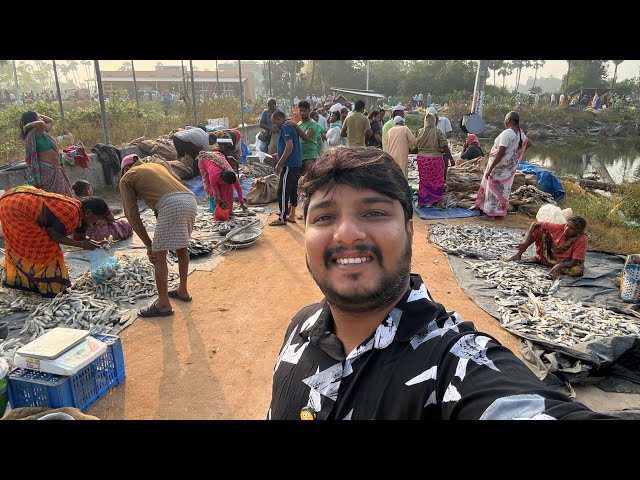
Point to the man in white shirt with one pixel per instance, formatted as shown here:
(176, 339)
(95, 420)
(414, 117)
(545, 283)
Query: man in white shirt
(443, 123)
(191, 141)
(553, 99)
(322, 120)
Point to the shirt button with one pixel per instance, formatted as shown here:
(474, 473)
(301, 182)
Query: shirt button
(308, 413)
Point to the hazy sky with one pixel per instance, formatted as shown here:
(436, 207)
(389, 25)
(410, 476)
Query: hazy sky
(556, 68)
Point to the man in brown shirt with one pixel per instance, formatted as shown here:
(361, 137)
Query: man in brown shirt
(356, 126)
(175, 208)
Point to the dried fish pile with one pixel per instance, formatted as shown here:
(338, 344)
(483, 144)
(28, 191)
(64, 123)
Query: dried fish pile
(205, 223)
(528, 199)
(133, 279)
(12, 301)
(8, 349)
(74, 310)
(255, 170)
(479, 241)
(196, 248)
(563, 322)
(512, 278)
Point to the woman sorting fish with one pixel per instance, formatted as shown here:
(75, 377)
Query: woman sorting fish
(108, 226)
(34, 224)
(561, 246)
(505, 155)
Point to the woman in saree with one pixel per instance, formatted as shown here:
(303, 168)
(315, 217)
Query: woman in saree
(108, 226)
(507, 150)
(42, 156)
(34, 224)
(432, 146)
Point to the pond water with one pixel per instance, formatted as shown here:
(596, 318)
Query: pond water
(622, 159)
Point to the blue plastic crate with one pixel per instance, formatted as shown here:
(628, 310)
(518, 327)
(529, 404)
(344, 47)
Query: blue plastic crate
(30, 388)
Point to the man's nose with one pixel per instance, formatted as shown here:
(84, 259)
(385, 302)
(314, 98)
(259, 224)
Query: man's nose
(348, 231)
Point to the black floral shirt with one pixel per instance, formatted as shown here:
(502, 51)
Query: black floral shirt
(422, 362)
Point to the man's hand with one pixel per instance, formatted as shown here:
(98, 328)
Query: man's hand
(277, 168)
(88, 244)
(290, 123)
(151, 255)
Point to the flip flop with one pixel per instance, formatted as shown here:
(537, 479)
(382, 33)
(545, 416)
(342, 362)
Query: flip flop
(276, 223)
(152, 311)
(174, 294)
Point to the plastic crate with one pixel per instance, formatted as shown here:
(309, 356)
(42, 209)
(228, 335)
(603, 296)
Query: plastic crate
(30, 388)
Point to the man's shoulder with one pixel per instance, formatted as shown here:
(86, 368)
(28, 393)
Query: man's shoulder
(305, 313)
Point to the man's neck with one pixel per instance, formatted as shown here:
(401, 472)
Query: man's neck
(353, 328)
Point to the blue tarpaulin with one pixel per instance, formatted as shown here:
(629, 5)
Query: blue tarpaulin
(547, 180)
(432, 213)
(195, 185)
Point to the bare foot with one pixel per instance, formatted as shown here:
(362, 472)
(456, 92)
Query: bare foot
(291, 219)
(277, 223)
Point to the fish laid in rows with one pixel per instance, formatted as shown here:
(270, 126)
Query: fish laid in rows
(561, 321)
(478, 241)
(513, 278)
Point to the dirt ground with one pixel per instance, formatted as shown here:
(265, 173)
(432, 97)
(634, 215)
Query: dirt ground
(213, 360)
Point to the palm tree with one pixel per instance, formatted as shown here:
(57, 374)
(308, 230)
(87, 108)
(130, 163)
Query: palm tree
(568, 72)
(615, 71)
(495, 65)
(73, 67)
(506, 70)
(519, 65)
(536, 64)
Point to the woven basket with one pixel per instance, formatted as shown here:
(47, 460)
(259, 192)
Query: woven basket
(630, 286)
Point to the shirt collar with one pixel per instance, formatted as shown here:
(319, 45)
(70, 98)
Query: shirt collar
(409, 317)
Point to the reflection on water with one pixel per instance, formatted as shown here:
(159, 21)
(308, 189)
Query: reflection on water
(621, 159)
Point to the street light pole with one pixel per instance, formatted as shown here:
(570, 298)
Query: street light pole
(367, 75)
(135, 86)
(103, 108)
(55, 74)
(15, 79)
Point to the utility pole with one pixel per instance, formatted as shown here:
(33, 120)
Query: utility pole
(103, 109)
(135, 86)
(367, 88)
(55, 74)
(478, 91)
(15, 79)
(193, 94)
(241, 93)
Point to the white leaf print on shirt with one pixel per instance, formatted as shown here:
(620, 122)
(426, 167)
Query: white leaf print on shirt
(418, 294)
(434, 331)
(429, 374)
(386, 331)
(326, 382)
(431, 400)
(311, 321)
(289, 353)
(355, 353)
(451, 394)
(474, 348)
(517, 407)
(349, 415)
(461, 369)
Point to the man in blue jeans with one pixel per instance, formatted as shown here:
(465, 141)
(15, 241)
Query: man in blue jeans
(288, 166)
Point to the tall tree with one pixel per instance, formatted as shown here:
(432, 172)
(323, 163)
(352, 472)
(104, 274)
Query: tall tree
(536, 64)
(505, 71)
(518, 65)
(73, 67)
(587, 73)
(125, 67)
(495, 65)
(615, 71)
(566, 82)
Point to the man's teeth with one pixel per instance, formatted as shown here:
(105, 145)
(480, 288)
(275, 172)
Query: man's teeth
(344, 261)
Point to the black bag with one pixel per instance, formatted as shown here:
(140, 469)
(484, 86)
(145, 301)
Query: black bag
(264, 136)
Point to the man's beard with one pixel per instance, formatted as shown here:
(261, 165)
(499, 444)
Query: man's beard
(391, 285)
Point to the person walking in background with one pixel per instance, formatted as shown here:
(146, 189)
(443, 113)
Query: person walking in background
(267, 125)
(356, 126)
(375, 140)
(334, 139)
(398, 110)
(399, 138)
(508, 148)
(42, 157)
(309, 132)
(432, 148)
(288, 166)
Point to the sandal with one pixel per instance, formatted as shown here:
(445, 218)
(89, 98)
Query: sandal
(152, 311)
(277, 223)
(174, 294)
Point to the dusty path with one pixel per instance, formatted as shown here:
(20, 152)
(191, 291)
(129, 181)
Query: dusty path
(214, 358)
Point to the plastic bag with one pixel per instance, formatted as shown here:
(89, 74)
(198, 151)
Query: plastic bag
(103, 265)
(550, 213)
(220, 214)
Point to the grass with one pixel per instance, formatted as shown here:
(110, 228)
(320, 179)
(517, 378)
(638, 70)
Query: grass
(607, 217)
